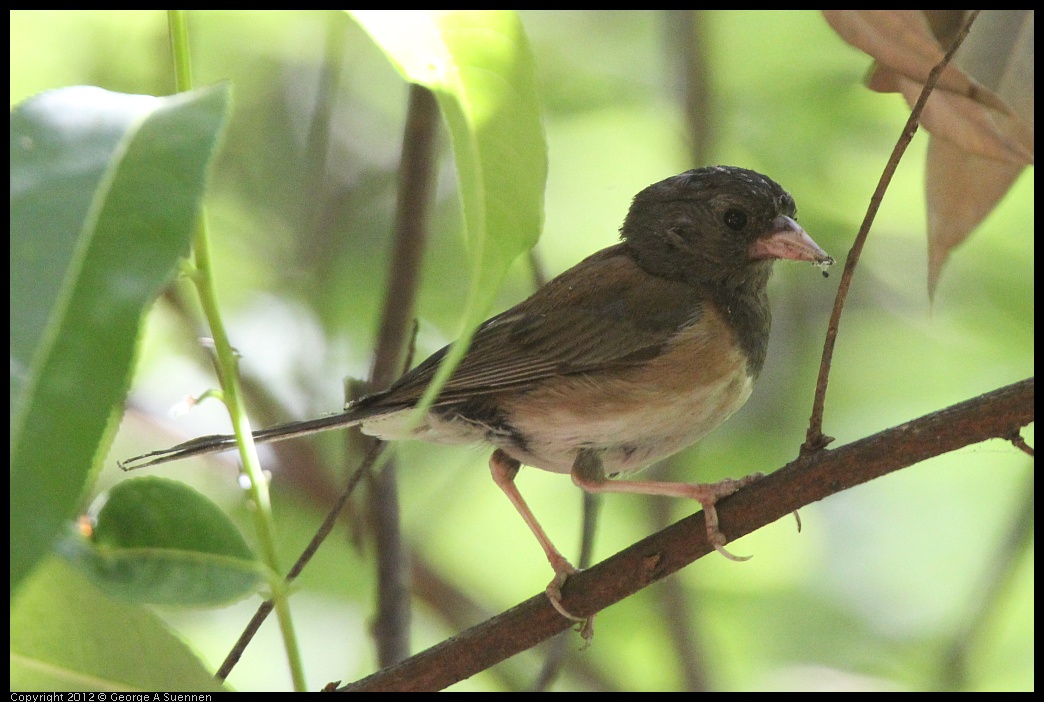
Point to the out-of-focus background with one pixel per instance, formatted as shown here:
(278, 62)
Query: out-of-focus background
(879, 590)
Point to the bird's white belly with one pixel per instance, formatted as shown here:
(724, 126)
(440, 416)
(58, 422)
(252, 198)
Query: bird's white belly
(632, 436)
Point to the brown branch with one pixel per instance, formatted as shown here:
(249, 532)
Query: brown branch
(814, 438)
(686, 37)
(809, 478)
(413, 207)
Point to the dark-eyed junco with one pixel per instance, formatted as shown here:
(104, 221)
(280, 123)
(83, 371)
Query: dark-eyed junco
(631, 355)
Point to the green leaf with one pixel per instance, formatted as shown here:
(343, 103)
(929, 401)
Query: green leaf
(480, 67)
(105, 195)
(68, 636)
(158, 541)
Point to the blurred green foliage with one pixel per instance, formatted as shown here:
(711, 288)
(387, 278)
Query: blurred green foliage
(877, 589)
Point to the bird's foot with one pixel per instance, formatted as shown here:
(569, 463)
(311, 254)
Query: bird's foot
(708, 495)
(563, 569)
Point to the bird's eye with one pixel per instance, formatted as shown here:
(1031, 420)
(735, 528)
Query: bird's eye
(735, 219)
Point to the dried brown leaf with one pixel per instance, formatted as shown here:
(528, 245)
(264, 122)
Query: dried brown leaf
(962, 189)
(901, 41)
(980, 115)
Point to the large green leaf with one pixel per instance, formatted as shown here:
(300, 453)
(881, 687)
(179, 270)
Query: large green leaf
(68, 636)
(480, 67)
(105, 195)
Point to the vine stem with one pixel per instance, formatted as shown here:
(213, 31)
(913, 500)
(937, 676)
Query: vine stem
(227, 365)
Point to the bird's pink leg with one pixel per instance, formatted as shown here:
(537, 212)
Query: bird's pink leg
(504, 469)
(589, 474)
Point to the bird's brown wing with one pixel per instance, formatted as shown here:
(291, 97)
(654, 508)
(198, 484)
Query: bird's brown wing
(604, 313)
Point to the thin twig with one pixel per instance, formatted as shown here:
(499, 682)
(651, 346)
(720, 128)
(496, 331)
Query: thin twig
(320, 535)
(1020, 443)
(814, 438)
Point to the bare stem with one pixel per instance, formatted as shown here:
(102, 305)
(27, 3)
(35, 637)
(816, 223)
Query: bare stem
(815, 439)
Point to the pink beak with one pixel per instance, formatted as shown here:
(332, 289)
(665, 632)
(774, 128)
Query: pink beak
(786, 239)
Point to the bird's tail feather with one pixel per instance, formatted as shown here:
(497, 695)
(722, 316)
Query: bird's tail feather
(215, 443)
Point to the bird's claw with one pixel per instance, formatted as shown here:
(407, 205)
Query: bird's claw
(585, 625)
(710, 514)
(718, 541)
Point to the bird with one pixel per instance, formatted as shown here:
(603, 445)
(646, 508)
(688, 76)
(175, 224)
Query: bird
(638, 351)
